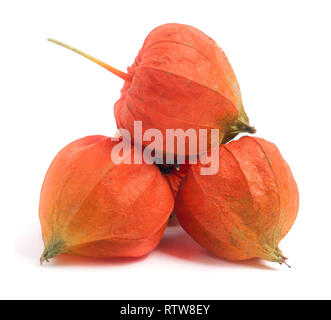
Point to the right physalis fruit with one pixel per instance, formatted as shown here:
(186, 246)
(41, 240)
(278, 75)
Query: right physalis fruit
(246, 208)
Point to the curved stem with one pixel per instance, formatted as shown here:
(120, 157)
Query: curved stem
(121, 74)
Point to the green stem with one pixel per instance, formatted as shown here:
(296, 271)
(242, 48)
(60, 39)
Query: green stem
(121, 74)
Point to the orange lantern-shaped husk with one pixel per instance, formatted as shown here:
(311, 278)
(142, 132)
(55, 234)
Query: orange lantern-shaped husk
(244, 210)
(181, 79)
(92, 207)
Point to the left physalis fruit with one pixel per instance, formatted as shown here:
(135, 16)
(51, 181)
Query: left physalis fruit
(91, 206)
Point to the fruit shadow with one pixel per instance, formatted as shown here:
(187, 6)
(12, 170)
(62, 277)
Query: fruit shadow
(177, 243)
(67, 260)
(30, 246)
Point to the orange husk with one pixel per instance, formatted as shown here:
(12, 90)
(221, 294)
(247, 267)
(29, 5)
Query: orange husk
(174, 174)
(244, 210)
(181, 79)
(90, 206)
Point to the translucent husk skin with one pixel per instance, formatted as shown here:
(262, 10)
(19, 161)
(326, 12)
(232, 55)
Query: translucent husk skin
(181, 79)
(244, 210)
(93, 207)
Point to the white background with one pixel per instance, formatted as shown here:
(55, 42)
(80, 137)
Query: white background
(280, 51)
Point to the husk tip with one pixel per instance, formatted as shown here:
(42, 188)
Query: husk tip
(282, 260)
(52, 249)
(275, 255)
